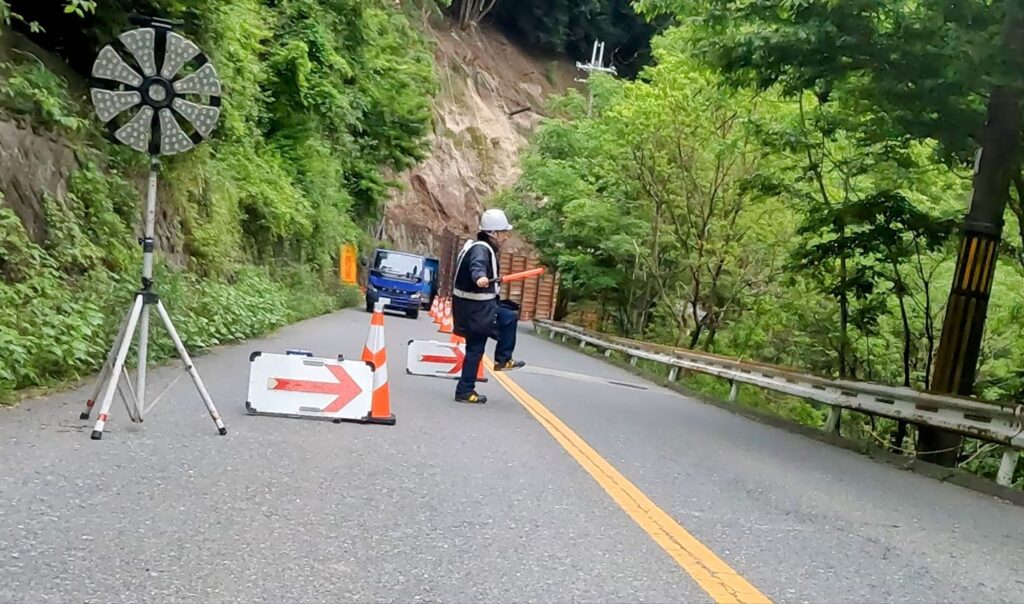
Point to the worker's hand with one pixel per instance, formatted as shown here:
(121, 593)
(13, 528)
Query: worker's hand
(483, 282)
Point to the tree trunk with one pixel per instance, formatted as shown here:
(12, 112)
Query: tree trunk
(1017, 206)
(562, 306)
(844, 320)
(960, 342)
(901, 427)
(695, 335)
(929, 322)
(906, 337)
(709, 342)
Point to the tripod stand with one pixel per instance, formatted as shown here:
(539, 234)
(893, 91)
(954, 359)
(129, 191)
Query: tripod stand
(138, 318)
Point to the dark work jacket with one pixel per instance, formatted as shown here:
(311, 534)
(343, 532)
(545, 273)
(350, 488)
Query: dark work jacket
(475, 317)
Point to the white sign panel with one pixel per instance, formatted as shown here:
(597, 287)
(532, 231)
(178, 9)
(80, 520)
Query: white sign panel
(435, 359)
(292, 385)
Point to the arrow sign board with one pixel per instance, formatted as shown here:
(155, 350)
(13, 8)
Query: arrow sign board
(303, 386)
(435, 359)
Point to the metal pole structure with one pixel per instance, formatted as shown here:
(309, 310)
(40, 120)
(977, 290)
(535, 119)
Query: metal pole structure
(596, 64)
(161, 99)
(147, 283)
(956, 361)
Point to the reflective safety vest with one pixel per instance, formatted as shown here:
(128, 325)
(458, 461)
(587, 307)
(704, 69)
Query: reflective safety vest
(494, 271)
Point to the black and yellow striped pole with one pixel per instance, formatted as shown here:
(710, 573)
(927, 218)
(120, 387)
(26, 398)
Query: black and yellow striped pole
(964, 325)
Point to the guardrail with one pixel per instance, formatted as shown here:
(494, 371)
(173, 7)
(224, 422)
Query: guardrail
(999, 423)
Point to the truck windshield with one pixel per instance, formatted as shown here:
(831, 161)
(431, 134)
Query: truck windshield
(399, 265)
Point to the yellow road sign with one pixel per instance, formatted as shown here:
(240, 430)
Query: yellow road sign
(347, 264)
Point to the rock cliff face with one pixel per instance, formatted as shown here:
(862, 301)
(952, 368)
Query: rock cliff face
(492, 97)
(33, 162)
(32, 165)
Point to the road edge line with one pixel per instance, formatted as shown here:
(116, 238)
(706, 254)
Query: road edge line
(952, 476)
(710, 572)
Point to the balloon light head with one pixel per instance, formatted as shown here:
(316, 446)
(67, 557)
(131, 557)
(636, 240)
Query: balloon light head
(155, 90)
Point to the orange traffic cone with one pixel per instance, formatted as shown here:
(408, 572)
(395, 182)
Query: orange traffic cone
(439, 314)
(447, 325)
(376, 354)
(433, 309)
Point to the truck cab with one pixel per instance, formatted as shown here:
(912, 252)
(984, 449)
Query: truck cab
(431, 275)
(397, 278)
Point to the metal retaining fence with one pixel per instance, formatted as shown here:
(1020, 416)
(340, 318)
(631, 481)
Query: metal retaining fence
(999, 423)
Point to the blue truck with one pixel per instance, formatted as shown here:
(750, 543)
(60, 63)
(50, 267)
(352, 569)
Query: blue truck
(406, 281)
(431, 274)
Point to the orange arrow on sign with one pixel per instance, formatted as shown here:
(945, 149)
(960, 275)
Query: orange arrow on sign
(345, 387)
(458, 359)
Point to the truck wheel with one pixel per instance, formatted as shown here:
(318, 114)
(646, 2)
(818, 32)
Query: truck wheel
(413, 314)
(369, 306)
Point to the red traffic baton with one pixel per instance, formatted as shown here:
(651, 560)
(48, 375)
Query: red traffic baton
(533, 272)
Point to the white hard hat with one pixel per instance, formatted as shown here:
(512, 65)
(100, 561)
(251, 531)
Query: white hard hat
(494, 220)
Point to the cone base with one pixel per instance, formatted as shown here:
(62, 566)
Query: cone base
(387, 421)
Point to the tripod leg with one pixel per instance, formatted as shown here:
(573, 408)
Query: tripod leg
(192, 372)
(105, 372)
(128, 398)
(140, 384)
(115, 371)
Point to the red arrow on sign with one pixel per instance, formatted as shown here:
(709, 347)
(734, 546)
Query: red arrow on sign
(458, 359)
(345, 387)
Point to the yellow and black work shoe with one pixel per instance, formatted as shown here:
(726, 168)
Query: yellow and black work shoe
(472, 397)
(509, 365)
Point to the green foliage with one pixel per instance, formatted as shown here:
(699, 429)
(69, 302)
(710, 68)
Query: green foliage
(893, 90)
(27, 87)
(813, 230)
(64, 332)
(869, 51)
(323, 97)
(71, 7)
(647, 202)
(572, 26)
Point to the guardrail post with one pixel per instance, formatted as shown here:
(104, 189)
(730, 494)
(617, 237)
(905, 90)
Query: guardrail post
(1007, 467)
(859, 397)
(832, 422)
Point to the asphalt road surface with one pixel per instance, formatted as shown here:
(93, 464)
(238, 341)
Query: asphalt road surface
(577, 482)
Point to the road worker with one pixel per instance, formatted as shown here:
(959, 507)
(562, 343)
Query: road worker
(477, 312)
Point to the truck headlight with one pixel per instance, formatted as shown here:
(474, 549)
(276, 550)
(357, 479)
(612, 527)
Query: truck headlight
(415, 296)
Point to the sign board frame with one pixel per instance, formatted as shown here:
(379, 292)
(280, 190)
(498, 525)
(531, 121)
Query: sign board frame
(306, 387)
(440, 352)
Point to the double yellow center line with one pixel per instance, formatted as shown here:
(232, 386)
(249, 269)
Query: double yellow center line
(713, 575)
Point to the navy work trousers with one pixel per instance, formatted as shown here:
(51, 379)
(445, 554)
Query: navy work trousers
(504, 334)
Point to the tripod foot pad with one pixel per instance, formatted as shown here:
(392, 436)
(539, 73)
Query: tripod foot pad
(84, 415)
(97, 434)
(223, 431)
